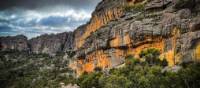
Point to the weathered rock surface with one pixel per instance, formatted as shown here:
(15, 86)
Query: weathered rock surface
(105, 11)
(47, 44)
(52, 44)
(19, 43)
(166, 25)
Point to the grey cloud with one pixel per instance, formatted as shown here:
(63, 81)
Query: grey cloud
(34, 4)
(36, 17)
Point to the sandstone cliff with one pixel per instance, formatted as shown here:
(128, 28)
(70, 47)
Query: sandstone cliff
(52, 44)
(105, 11)
(46, 44)
(172, 26)
(19, 42)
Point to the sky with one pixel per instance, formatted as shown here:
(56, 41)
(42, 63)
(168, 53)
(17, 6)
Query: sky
(35, 17)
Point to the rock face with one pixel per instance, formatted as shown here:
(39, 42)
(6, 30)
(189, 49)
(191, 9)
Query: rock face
(19, 43)
(52, 44)
(169, 25)
(105, 11)
(47, 44)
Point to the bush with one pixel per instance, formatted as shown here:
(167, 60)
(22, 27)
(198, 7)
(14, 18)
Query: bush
(190, 76)
(151, 56)
(115, 81)
(89, 80)
(130, 60)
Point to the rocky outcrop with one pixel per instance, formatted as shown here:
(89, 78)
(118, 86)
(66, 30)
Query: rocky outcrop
(52, 44)
(161, 24)
(46, 44)
(19, 43)
(105, 11)
(158, 4)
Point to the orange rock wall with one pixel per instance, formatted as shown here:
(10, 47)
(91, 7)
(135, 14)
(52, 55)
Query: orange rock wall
(171, 54)
(95, 59)
(120, 40)
(197, 53)
(102, 59)
(97, 21)
(157, 45)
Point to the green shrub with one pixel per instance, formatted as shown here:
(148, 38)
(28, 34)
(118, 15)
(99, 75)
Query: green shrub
(89, 80)
(130, 60)
(151, 56)
(115, 81)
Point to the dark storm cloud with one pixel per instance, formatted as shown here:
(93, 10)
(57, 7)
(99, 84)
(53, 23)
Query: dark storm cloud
(35, 4)
(36, 17)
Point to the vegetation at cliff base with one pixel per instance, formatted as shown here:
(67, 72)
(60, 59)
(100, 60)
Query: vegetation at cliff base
(148, 73)
(24, 70)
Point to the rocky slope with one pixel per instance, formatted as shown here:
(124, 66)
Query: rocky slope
(119, 28)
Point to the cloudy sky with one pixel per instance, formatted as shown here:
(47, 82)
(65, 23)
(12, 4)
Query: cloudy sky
(36, 17)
